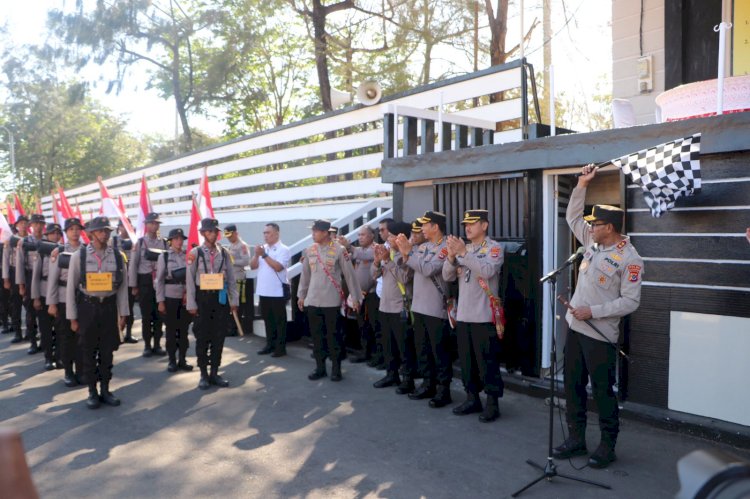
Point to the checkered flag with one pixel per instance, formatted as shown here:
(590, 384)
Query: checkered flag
(665, 172)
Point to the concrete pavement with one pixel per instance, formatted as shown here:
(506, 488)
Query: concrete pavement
(274, 434)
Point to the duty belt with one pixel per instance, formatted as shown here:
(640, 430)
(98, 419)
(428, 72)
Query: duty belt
(98, 300)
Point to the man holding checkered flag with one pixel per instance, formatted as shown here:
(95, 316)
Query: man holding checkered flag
(665, 172)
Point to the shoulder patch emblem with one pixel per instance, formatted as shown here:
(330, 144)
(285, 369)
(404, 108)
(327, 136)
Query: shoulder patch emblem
(634, 271)
(443, 253)
(495, 251)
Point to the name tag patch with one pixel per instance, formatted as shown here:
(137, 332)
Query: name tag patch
(98, 281)
(211, 282)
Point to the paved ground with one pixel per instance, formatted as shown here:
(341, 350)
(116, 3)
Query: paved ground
(276, 434)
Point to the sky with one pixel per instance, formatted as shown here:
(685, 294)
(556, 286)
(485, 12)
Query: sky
(581, 46)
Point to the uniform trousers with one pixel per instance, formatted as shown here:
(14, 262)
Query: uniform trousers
(98, 337)
(398, 344)
(367, 320)
(31, 314)
(210, 329)
(130, 319)
(327, 338)
(432, 338)
(177, 321)
(479, 349)
(16, 308)
(273, 311)
(70, 355)
(4, 307)
(246, 310)
(150, 320)
(47, 332)
(587, 358)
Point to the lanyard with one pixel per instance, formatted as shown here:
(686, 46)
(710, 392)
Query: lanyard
(98, 261)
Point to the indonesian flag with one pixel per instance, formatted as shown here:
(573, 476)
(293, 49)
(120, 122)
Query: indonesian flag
(145, 209)
(121, 205)
(5, 230)
(205, 208)
(111, 210)
(11, 213)
(18, 208)
(66, 211)
(194, 236)
(78, 213)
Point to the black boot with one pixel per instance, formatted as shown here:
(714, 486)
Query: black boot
(93, 401)
(129, 335)
(406, 386)
(216, 379)
(319, 372)
(265, 350)
(390, 379)
(34, 348)
(574, 445)
(147, 351)
(158, 350)
(426, 390)
(204, 383)
(70, 379)
(172, 364)
(442, 397)
(604, 454)
(491, 410)
(107, 397)
(471, 405)
(17, 338)
(182, 364)
(48, 365)
(336, 370)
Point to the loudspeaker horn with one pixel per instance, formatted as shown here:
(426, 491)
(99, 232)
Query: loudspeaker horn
(369, 92)
(339, 98)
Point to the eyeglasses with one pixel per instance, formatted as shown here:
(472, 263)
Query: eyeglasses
(591, 224)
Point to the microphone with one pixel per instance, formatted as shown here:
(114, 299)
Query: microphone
(575, 256)
(570, 261)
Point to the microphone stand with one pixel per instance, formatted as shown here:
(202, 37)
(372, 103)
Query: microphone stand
(550, 470)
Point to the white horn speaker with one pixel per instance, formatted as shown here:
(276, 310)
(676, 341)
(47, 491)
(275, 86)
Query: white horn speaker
(369, 92)
(339, 98)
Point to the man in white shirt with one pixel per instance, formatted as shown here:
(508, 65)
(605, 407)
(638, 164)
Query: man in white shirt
(272, 260)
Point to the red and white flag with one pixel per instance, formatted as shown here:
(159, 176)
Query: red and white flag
(66, 211)
(111, 210)
(205, 208)
(5, 230)
(56, 216)
(18, 208)
(121, 205)
(194, 236)
(144, 209)
(10, 213)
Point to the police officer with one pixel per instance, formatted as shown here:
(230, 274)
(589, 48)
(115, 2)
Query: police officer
(271, 260)
(15, 304)
(240, 254)
(141, 279)
(211, 296)
(122, 241)
(25, 260)
(609, 287)
(363, 256)
(96, 292)
(395, 296)
(170, 286)
(431, 329)
(417, 237)
(477, 267)
(39, 282)
(4, 300)
(57, 282)
(320, 290)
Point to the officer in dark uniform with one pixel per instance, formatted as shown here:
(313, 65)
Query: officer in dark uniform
(25, 259)
(39, 280)
(141, 271)
(211, 296)
(477, 267)
(171, 273)
(95, 293)
(57, 282)
(10, 256)
(123, 242)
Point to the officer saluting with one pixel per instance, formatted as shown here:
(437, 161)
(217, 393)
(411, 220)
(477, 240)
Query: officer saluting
(57, 282)
(477, 267)
(321, 292)
(39, 279)
(212, 296)
(95, 293)
(170, 286)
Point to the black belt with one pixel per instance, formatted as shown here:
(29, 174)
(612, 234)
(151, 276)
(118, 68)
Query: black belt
(97, 300)
(174, 281)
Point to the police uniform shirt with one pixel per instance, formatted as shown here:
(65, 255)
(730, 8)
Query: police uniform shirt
(393, 274)
(175, 260)
(609, 278)
(93, 265)
(7, 255)
(315, 287)
(363, 258)
(138, 263)
(427, 263)
(268, 281)
(240, 258)
(483, 260)
(25, 260)
(58, 278)
(214, 260)
(39, 277)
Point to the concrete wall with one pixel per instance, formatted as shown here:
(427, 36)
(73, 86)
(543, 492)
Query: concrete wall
(252, 232)
(626, 51)
(418, 198)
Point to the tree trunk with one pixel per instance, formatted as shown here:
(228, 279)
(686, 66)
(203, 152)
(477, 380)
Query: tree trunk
(179, 100)
(321, 54)
(498, 29)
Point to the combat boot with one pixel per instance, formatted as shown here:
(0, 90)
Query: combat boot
(406, 386)
(204, 384)
(319, 372)
(107, 397)
(172, 365)
(336, 371)
(574, 445)
(129, 335)
(442, 397)
(216, 379)
(491, 410)
(390, 379)
(604, 454)
(425, 390)
(182, 364)
(70, 379)
(471, 405)
(93, 401)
